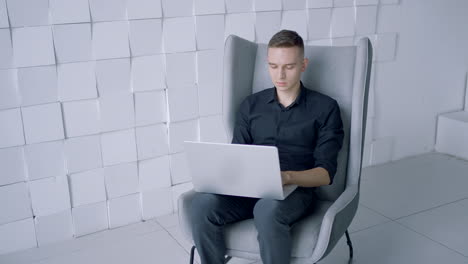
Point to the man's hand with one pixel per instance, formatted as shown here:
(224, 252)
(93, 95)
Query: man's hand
(285, 177)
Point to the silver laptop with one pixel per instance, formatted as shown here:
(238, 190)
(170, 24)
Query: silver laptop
(234, 169)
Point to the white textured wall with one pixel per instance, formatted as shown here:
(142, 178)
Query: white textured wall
(97, 96)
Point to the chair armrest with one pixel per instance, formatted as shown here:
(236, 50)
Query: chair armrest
(184, 202)
(336, 221)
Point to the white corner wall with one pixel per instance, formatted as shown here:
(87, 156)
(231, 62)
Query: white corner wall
(97, 96)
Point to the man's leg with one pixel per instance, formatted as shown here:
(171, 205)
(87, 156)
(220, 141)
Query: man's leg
(273, 220)
(208, 214)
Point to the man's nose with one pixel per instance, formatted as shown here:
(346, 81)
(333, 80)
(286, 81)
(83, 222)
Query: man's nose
(282, 74)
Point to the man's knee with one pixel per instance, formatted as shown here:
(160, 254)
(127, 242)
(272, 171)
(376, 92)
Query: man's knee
(267, 212)
(203, 207)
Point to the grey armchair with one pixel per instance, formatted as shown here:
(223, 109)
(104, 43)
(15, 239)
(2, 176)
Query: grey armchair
(340, 72)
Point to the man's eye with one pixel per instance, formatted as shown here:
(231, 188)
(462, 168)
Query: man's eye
(273, 66)
(290, 67)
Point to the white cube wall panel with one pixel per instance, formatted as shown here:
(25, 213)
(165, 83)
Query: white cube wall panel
(466, 92)
(118, 147)
(343, 22)
(210, 99)
(124, 210)
(81, 118)
(343, 3)
(154, 173)
(319, 23)
(83, 153)
(117, 112)
(11, 123)
(266, 25)
(180, 69)
(24, 233)
(69, 11)
(180, 132)
(141, 9)
(183, 103)
(320, 42)
(210, 31)
(38, 85)
(206, 7)
(145, 37)
(366, 20)
(180, 172)
(90, 218)
(389, 19)
(87, 187)
(367, 2)
(210, 67)
(54, 228)
(148, 73)
(156, 203)
(294, 4)
(4, 23)
(108, 10)
(241, 24)
(239, 6)
(43, 123)
(152, 141)
(73, 42)
(179, 34)
(45, 160)
(386, 46)
(15, 203)
(121, 179)
(49, 195)
(76, 81)
(24, 13)
(113, 76)
(110, 40)
(29, 53)
(150, 108)
(267, 5)
(382, 150)
(6, 52)
(452, 131)
(212, 129)
(343, 41)
(295, 20)
(389, 2)
(12, 165)
(177, 8)
(319, 3)
(9, 96)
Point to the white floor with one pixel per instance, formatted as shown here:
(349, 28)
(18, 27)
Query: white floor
(411, 211)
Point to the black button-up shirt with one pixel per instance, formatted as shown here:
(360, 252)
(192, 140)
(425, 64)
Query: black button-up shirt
(308, 133)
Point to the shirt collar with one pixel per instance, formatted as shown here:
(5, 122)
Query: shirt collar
(272, 96)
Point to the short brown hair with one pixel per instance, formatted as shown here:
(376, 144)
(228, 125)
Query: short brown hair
(286, 39)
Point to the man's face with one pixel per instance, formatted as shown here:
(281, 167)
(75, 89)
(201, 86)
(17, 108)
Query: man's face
(286, 66)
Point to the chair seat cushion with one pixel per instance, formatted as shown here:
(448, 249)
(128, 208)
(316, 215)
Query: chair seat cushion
(241, 237)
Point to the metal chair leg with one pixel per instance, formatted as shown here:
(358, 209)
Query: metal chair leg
(192, 254)
(350, 245)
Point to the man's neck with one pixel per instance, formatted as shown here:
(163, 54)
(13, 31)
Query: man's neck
(288, 97)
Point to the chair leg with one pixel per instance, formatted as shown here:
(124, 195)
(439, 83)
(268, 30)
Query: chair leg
(192, 254)
(226, 260)
(350, 244)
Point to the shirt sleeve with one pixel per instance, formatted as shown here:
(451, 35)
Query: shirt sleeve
(241, 134)
(330, 141)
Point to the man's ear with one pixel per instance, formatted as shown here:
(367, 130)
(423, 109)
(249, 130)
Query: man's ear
(304, 64)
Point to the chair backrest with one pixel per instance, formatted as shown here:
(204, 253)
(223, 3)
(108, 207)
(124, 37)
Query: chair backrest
(342, 73)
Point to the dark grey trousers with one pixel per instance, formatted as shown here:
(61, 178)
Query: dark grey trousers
(272, 218)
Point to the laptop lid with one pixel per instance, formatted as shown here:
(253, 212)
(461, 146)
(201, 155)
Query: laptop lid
(235, 169)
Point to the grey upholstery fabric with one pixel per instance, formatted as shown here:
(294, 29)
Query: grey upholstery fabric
(343, 73)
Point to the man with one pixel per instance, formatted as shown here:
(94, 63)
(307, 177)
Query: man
(307, 129)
